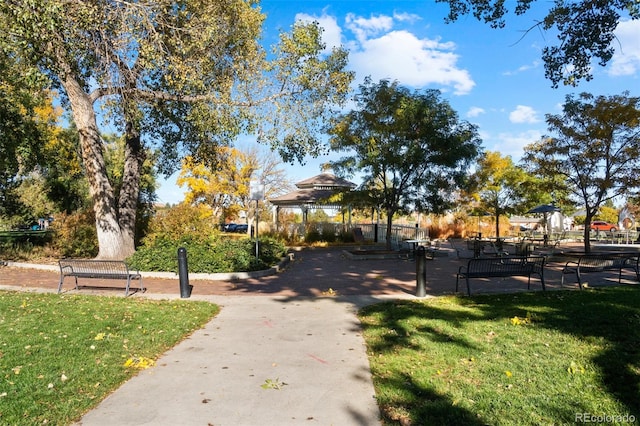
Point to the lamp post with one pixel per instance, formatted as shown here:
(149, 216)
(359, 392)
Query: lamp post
(256, 192)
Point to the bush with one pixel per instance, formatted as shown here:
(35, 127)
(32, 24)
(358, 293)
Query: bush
(346, 236)
(194, 222)
(313, 236)
(328, 233)
(208, 256)
(75, 234)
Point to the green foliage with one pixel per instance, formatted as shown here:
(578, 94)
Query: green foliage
(193, 228)
(595, 153)
(189, 77)
(63, 354)
(312, 235)
(75, 234)
(411, 147)
(208, 256)
(328, 233)
(183, 220)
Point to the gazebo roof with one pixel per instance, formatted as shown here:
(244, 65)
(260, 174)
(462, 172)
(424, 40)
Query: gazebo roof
(314, 192)
(326, 181)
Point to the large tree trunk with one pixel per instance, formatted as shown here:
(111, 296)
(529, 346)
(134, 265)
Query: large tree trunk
(129, 193)
(110, 237)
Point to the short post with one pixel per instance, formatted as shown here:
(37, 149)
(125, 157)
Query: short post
(183, 273)
(421, 272)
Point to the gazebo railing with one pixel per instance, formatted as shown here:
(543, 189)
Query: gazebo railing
(378, 232)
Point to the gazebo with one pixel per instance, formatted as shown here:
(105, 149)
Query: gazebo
(313, 193)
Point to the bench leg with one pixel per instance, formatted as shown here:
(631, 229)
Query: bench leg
(60, 283)
(579, 279)
(468, 287)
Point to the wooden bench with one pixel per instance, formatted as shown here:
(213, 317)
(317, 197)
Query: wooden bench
(104, 269)
(601, 262)
(502, 267)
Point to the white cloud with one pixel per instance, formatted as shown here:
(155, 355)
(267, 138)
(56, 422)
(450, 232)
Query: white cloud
(523, 114)
(376, 50)
(475, 112)
(523, 68)
(400, 55)
(406, 17)
(626, 59)
(363, 28)
(513, 144)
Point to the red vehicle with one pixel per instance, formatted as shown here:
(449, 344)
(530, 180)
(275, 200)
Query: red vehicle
(599, 225)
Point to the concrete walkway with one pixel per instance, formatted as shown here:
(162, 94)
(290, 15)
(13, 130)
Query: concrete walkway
(261, 361)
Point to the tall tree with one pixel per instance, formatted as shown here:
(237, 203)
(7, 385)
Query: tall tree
(410, 146)
(596, 150)
(498, 185)
(24, 128)
(584, 29)
(185, 75)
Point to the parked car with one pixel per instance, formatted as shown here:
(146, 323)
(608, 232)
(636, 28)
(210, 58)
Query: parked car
(230, 227)
(241, 228)
(599, 225)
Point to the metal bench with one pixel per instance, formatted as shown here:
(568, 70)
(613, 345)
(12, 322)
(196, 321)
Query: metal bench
(502, 267)
(601, 262)
(100, 269)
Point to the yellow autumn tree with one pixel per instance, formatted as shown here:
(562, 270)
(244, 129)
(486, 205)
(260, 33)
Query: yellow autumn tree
(225, 185)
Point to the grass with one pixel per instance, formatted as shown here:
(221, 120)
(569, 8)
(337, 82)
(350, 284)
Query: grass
(520, 359)
(61, 355)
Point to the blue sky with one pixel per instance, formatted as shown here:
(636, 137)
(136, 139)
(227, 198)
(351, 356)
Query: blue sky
(492, 78)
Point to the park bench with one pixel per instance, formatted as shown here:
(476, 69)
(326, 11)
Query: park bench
(99, 269)
(601, 262)
(502, 267)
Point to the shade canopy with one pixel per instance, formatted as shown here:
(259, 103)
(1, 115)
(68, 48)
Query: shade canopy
(545, 208)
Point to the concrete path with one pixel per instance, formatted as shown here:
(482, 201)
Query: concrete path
(261, 361)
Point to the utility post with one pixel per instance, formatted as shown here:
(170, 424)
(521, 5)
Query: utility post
(256, 192)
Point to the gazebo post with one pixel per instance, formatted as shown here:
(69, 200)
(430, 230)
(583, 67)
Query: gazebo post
(276, 217)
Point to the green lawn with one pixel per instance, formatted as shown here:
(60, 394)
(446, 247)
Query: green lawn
(543, 358)
(60, 355)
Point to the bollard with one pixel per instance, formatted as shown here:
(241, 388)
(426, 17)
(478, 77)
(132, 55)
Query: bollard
(421, 272)
(183, 272)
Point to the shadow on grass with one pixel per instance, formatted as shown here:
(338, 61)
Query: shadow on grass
(610, 315)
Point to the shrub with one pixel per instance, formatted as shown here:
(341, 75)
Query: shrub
(195, 222)
(312, 236)
(75, 234)
(346, 236)
(328, 233)
(208, 256)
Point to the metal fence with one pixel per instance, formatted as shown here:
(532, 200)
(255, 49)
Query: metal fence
(378, 233)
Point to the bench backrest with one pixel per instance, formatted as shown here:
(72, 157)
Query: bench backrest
(87, 266)
(602, 261)
(506, 265)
